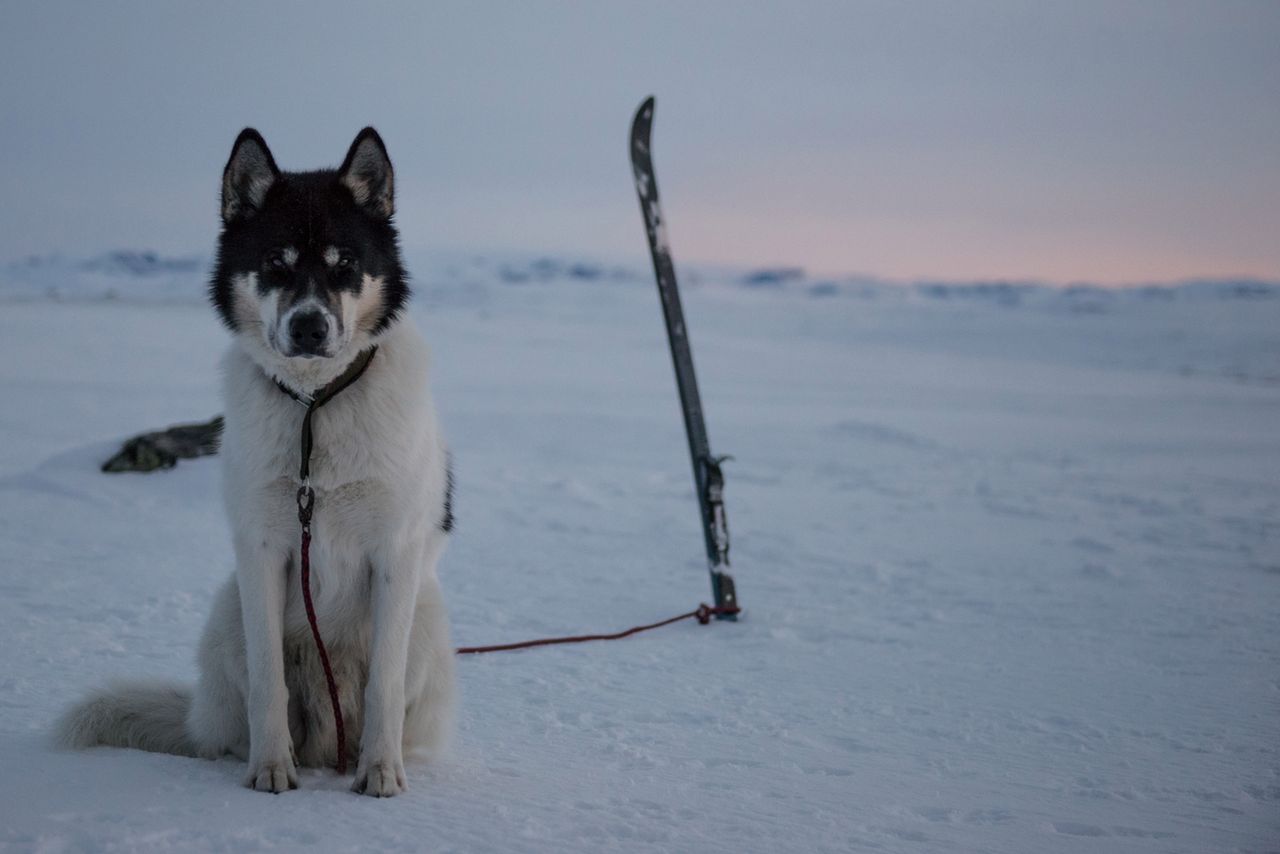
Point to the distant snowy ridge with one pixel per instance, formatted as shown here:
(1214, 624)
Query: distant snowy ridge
(124, 274)
(144, 275)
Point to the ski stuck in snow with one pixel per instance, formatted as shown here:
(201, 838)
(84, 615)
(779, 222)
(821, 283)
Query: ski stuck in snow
(708, 478)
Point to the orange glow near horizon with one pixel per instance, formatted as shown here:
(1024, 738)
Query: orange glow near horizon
(938, 249)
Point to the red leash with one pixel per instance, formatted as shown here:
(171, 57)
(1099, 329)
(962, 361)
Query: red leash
(307, 503)
(304, 516)
(704, 613)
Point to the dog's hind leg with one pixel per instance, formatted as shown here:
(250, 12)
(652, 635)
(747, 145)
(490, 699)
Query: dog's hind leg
(217, 722)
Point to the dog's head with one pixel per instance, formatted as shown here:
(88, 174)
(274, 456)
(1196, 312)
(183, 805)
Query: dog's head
(308, 268)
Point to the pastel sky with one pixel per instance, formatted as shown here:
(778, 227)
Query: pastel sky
(1100, 140)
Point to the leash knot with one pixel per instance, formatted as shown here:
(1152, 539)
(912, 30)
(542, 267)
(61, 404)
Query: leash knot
(306, 502)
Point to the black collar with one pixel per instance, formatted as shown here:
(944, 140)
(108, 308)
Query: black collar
(353, 372)
(346, 378)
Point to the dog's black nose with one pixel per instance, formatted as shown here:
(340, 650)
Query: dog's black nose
(308, 330)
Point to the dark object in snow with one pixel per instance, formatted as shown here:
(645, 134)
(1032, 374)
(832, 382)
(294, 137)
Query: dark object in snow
(707, 476)
(163, 449)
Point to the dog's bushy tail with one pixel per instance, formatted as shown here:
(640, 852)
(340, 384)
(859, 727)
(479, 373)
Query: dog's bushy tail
(143, 715)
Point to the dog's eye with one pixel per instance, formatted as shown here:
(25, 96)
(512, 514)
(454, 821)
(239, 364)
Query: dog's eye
(346, 262)
(275, 261)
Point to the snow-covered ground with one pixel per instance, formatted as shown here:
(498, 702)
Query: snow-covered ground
(1010, 557)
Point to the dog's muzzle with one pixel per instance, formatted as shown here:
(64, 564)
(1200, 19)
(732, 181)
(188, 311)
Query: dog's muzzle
(309, 333)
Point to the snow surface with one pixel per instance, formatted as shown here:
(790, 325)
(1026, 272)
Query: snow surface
(1010, 554)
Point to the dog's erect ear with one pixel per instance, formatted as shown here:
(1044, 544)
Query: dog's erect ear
(367, 174)
(249, 174)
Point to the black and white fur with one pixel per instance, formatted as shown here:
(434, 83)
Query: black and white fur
(308, 276)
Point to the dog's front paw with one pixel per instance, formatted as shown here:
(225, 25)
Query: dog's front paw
(275, 776)
(381, 779)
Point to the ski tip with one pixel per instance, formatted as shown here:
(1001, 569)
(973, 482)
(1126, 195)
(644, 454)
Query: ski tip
(643, 118)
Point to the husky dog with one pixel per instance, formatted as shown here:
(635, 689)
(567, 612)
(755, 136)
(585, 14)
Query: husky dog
(309, 280)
